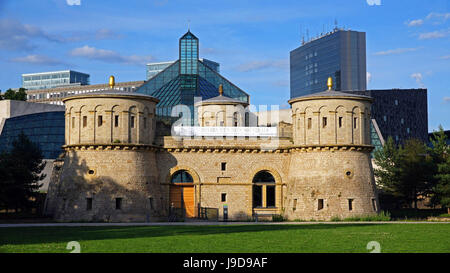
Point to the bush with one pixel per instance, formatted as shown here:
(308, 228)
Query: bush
(382, 216)
(278, 218)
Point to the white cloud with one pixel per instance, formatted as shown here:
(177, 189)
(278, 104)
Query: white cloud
(109, 56)
(434, 34)
(73, 2)
(446, 99)
(259, 65)
(445, 57)
(418, 77)
(415, 23)
(17, 36)
(435, 15)
(395, 51)
(37, 59)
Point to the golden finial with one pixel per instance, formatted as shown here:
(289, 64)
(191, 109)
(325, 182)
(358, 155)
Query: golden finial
(112, 82)
(330, 83)
(221, 90)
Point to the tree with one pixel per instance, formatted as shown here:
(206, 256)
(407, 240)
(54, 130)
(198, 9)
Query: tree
(15, 95)
(416, 179)
(387, 171)
(441, 157)
(405, 172)
(20, 174)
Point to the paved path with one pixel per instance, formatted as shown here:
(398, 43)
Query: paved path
(205, 223)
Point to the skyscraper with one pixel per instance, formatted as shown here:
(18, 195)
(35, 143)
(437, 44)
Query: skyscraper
(340, 54)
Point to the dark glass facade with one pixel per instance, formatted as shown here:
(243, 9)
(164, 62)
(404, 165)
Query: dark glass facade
(400, 113)
(46, 129)
(186, 79)
(340, 55)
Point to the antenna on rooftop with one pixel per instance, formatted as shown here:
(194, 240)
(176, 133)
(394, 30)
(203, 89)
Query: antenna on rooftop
(335, 24)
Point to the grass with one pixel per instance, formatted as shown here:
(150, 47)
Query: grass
(316, 238)
(382, 216)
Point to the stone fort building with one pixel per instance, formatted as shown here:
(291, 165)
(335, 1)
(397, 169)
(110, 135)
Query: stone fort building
(117, 167)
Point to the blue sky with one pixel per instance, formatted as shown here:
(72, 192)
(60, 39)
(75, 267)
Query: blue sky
(408, 42)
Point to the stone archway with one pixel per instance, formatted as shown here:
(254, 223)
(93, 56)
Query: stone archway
(266, 194)
(182, 192)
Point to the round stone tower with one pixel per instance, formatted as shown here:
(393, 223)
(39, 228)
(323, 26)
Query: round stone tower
(221, 111)
(109, 171)
(330, 173)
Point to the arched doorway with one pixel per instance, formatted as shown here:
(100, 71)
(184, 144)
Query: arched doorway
(181, 199)
(264, 190)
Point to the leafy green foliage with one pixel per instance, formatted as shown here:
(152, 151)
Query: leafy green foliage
(14, 95)
(20, 173)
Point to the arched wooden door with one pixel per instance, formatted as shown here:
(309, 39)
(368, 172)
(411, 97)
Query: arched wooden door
(182, 193)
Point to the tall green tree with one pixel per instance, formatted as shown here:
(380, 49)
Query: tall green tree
(20, 172)
(440, 151)
(387, 171)
(15, 95)
(416, 180)
(404, 172)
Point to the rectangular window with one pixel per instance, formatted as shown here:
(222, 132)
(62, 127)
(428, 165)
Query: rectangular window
(257, 196)
(84, 121)
(145, 122)
(294, 206)
(309, 123)
(320, 204)
(374, 204)
(223, 197)
(350, 204)
(324, 122)
(118, 203)
(88, 203)
(270, 196)
(100, 121)
(224, 166)
(355, 122)
(132, 122)
(150, 201)
(340, 122)
(116, 121)
(73, 122)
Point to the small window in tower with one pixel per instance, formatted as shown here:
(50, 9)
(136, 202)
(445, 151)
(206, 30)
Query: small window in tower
(374, 204)
(132, 122)
(116, 121)
(223, 197)
(84, 121)
(88, 203)
(100, 121)
(324, 122)
(150, 201)
(118, 203)
(320, 204)
(355, 123)
(294, 206)
(340, 122)
(73, 122)
(145, 122)
(224, 166)
(350, 204)
(309, 123)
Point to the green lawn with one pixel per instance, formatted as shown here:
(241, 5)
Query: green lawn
(232, 238)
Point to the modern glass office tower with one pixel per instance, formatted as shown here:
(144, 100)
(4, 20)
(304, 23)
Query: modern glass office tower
(154, 68)
(186, 79)
(340, 54)
(53, 79)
